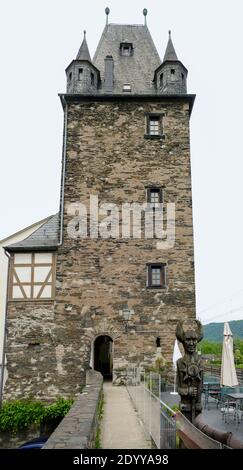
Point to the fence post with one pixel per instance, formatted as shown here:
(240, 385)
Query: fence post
(144, 396)
(160, 415)
(160, 427)
(150, 407)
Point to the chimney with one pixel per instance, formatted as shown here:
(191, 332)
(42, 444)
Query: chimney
(109, 74)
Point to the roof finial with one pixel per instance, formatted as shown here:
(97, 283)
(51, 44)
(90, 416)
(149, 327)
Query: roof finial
(169, 33)
(107, 12)
(145, 12)
(84, 34)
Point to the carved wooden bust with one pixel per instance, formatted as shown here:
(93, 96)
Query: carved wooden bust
(189, 368)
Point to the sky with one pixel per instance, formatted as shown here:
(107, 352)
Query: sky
(39, 39)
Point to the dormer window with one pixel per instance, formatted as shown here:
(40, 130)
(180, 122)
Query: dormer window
(126, 49)
(127, 87)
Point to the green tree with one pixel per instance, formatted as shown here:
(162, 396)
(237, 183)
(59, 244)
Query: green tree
(210, 347)
(238, 357)
(238, 343)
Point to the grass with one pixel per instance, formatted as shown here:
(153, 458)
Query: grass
(100, 411)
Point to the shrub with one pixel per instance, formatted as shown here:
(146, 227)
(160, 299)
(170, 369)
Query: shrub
(57, 410)
(19, 414)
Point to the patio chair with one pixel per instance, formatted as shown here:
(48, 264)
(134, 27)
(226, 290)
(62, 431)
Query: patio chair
(214, 392)
(211, 390)
(228, 407)
(239, 409)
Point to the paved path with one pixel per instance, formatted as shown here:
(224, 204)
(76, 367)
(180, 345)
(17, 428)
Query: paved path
(120, 427)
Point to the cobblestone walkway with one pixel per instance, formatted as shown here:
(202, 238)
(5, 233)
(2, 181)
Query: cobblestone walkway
(120, 427)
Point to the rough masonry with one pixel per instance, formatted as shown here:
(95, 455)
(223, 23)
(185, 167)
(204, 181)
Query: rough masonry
(109, 152)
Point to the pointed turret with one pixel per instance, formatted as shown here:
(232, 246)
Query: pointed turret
(170, 53)
(170, 76)
(82, 75)
(83, 53)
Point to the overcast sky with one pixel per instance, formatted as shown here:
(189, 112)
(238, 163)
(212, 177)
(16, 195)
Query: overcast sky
(39, 39)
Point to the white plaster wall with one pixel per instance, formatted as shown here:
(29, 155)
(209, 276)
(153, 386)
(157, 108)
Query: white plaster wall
(19, 236)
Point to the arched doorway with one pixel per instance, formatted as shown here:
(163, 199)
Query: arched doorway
(103, 356)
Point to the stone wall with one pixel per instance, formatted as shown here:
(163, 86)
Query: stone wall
(31, 351)
(13, 441)
(108, 156)
(78, 428)
(10, 440)
(50, 344)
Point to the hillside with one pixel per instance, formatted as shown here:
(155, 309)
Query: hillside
(214, 331)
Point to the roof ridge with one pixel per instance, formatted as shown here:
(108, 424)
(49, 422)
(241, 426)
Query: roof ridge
(125, 24)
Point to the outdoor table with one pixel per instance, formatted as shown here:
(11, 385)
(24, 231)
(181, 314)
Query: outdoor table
(238, 397)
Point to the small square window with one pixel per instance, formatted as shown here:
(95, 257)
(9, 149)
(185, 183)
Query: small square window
(126, 49)
(154, 196)
(172, 71)
(156, 275)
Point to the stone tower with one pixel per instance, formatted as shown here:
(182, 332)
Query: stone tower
(91, 288)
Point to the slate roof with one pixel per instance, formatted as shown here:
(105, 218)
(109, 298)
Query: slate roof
(83, 53)
(137, 69)
(46, 236)
(170, 53)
